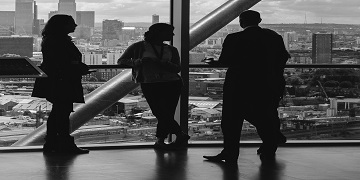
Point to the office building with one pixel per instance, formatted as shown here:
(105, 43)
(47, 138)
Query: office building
(127, 34)
(112, 58)
(24, 17)
(112, 29)
(86, 23)
(52, 13)
(67, 7)
(17, 45)
(155, 18)
(322, 48)
(83, 32)
(7, 19)
(90, 58)
(286, 39)
(85, 18)
(36, 24)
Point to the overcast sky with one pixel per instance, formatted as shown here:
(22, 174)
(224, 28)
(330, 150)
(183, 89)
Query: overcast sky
(273, 11)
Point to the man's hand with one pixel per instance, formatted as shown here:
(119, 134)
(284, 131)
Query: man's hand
(210, 61)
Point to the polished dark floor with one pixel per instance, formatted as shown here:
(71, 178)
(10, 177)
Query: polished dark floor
(144, 163)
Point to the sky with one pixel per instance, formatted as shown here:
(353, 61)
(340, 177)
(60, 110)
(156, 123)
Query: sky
(272, 11)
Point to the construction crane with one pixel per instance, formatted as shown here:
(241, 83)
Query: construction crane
(323, 90)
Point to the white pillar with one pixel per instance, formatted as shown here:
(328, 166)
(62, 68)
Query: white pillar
(179, 13)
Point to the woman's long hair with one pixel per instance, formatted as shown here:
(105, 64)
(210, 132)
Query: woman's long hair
(154, 30)
(56, 27)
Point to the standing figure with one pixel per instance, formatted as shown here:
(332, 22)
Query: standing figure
(253, 87)
(155, 65)
(63, 66)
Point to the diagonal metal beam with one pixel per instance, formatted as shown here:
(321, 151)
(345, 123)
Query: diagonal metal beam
(217, 19)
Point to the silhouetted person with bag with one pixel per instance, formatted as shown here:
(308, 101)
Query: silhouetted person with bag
(253, 87)
(155, 65)
(62, 63)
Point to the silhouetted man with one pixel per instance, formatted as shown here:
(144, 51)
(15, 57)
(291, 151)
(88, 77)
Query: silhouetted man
(253, 87)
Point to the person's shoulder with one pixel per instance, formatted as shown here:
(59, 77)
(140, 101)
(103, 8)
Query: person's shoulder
(136, 44)
(270, 32)
(139, 43)
(235, 34)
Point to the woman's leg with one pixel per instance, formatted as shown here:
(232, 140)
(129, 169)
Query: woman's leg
(163, 99)
(64, 142)
(51, 131)
(154, 98)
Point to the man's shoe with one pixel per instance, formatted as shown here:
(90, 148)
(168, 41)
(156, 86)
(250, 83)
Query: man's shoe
(68, 146)
(267, 156)
(281, 140)
(221, 158)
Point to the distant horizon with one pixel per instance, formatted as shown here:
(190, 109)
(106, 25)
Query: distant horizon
(272, 12)
(100, 23)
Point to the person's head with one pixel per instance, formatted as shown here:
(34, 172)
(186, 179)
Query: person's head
(159, 32)
(249, 18)
(59, 24)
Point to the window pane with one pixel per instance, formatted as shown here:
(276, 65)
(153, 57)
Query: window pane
(307, 109)
(104, 30)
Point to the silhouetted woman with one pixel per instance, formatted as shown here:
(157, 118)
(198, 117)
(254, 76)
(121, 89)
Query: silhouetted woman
(62, 63)
(156, 66)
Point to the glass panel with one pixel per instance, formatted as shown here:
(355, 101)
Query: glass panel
(104, 31)
(307, 111)
(317, 104)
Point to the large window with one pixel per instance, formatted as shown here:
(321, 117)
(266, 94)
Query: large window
(105, 29)
(322, 79)
(320, 102)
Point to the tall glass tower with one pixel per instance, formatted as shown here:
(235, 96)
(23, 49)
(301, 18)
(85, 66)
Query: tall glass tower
(24, 17)
(322, 48)
(67, 7)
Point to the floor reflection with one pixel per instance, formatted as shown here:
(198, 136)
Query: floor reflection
(58, 166)
(229, 171)
(271, 170)
(171, 165)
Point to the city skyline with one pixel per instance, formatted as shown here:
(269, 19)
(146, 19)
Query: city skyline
(273, 12)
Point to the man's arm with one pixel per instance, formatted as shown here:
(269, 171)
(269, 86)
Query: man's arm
(225, 55)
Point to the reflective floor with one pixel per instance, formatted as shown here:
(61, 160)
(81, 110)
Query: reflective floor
(292, 163)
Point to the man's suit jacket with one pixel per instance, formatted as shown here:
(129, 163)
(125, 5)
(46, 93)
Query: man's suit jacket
(255, 58)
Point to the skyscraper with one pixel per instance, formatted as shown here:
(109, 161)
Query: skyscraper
(155, 18)
(322, 48)
(67, 7)
(85, 18)
(36, 24)
(24, 17)
(111, 29)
